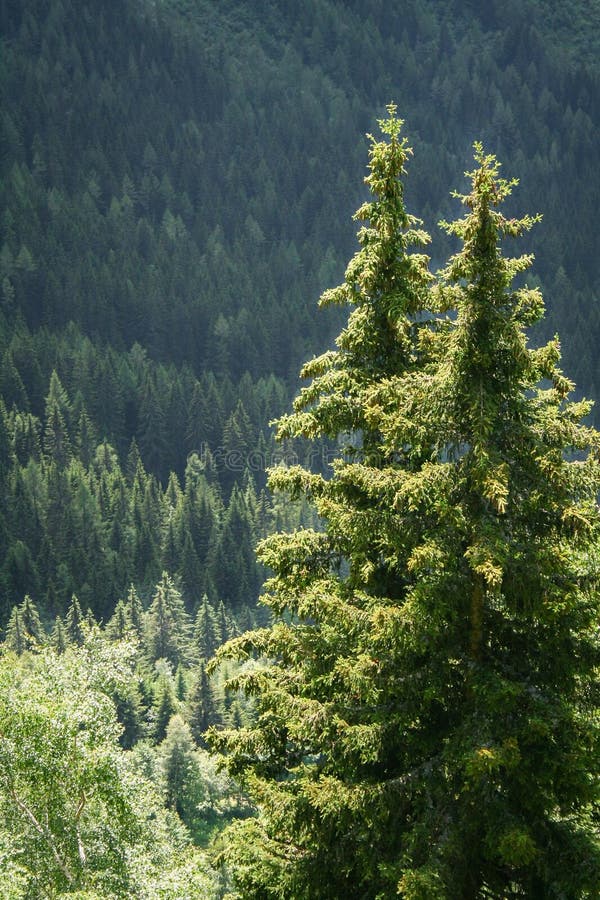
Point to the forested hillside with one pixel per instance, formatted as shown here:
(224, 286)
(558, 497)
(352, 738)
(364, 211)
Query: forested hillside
(177, 181)
(414, 708)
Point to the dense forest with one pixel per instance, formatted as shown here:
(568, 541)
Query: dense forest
(177, 184)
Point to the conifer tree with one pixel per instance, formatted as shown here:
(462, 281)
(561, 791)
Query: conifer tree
(86, 439)
(130, 710)
(178, 765)
(33, 630)
(180, 683)
(19, 571)
(135, 612)
(427, 724)
(201, 705)
(503, 606)
(193, 575)
(206, 630)
(322, 704)
(167, 626)
(14, 638)
(58, 637)
(7, 453)
(171, 550)
(234, 568)
(57, 445)
(165, 706)
(57, 441)
(134, 461)
(75, 622)
(117, 627)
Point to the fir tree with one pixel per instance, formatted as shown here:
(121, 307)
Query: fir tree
(58, 637)
(234, 568)
(504, 602)
(206, 630)
(86, 439)
(201, 705)
(165, 706)
(33, 630)
(14, 638)
(193, 575)
(322, 705)
(167, 626)
(7, 449)
(135, 612)
(117, 627)
(226, 627)
(75, 625)
(20, 573)
(57, 441)
(180, 683)
(177, 764)
(170, 551)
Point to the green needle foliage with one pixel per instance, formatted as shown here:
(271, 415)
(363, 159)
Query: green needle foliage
(427, 712)
(327, 727)
(503, 600)
(387, 286)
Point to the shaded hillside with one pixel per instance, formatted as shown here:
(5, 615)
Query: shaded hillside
(176, 184)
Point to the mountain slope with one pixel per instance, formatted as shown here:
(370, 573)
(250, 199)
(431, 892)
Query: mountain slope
(177, 182)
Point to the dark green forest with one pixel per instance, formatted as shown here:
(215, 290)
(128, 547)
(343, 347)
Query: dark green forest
(177, 188)
(177, 183)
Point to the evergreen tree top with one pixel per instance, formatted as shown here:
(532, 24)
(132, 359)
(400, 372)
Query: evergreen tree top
(388, 286)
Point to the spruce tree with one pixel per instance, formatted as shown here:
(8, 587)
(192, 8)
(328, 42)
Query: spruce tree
(33, 630)
(201, 705)
(206, 630)
(57, 441)
(135, 612)
(14, 638)
(503, 607)
(324, 741)
(167, 624)
(118, 627)
(427, 719)
(75, 622)
(177, 760)
(59, 638)
(165, 706)
(193, 574)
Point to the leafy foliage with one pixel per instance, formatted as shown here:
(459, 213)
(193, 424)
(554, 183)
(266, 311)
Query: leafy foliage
(77, 818)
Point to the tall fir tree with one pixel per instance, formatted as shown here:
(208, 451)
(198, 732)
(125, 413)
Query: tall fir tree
(59, 638)
(135, 612)
(177, 760)
(118, 628)
(206, 636)
(164, 707)
(504, 603)
(316, 756)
